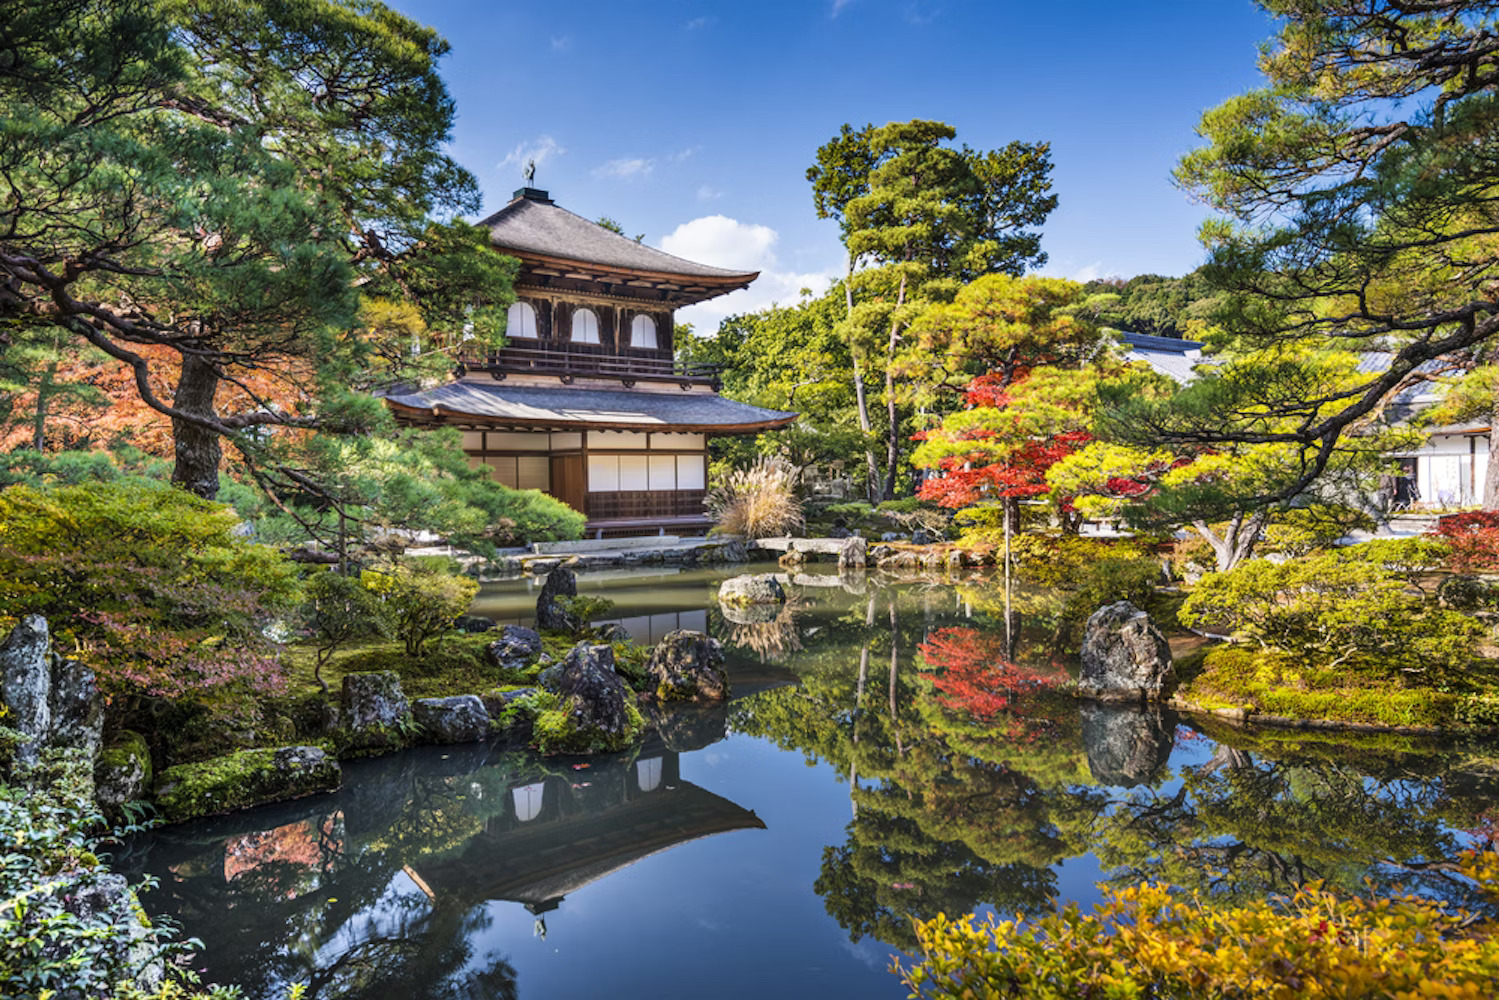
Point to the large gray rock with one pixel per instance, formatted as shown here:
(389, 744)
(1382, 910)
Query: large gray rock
(756, 588)
(459, 719)
(374, 710)
(550, 615)
(1127, 745)
(516, 647)
(854, 554)
(688, 666)
(128, 952)
(77, 707)
(599, 705)
(1125, 657)
(123, 773)
(50, 700)
(26, 673)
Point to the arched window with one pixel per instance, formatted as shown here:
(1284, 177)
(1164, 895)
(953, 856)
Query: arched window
(643, 332)
(520, 321)
(585, 327)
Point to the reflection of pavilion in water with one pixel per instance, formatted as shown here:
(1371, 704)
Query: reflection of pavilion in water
(559, 834)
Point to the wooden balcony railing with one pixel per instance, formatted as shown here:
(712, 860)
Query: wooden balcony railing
(638, 504)
(568, 365)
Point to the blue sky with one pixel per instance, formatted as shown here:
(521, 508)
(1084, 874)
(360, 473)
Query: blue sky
(693, 123)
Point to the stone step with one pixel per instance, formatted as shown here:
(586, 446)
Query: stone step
(603, 545)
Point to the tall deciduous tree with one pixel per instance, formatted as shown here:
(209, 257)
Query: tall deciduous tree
(1360, 187)
(219, 178)
(921, 218)
(1028, 357)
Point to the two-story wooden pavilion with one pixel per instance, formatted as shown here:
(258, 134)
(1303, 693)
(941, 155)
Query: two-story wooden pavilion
(586, 401)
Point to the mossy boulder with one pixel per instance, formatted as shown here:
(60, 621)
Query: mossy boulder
(1125, 657)
(688, 666)
(374, 713)
(244, 779)
(586, 707)
(123, 772)
(752, 588)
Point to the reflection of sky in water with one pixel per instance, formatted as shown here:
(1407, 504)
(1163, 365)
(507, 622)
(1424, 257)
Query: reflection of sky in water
(704, 905)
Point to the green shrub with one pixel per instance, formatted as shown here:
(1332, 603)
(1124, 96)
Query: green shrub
(1148, 941)
(1339, 607)
(1302, 530)
(341, 609)
(49, 839)
(857, 510)
(152, 585)
(421, 601)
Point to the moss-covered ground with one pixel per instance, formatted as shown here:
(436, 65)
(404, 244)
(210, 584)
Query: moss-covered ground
(1270, 683)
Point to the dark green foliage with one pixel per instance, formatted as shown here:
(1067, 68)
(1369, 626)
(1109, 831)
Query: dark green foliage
(1156, 305)
(50, 835)
(224, 180)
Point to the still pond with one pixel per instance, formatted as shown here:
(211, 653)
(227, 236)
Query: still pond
(890, 751)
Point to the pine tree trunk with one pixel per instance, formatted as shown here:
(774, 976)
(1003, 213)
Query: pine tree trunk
(1491, 473)
(892, 413)
(43, 398)
(871, 469)
(197, 448)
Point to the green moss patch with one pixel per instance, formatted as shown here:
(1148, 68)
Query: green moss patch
(242, 779)
(1271, 683)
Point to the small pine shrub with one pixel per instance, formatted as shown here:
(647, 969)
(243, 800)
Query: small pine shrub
(758, 502)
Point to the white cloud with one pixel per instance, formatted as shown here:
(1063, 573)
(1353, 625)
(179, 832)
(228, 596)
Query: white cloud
(722, 242)
(685, 154)
(744, 246)
(538, 150)
(838, 6)
(1088, 272)
(627, 169)
(706, 192)
(1073, 272)
(562, 43)
(700, 22)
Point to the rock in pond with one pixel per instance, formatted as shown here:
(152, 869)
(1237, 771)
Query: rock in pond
(374, 710)
(597, 710)
(688, 666)
(459, 719)
(551, 616)
(516, 647)
(243, 779)
(755, 588)
(1125, 657)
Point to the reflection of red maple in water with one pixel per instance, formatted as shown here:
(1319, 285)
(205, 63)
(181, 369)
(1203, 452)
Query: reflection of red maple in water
(976, 677)
(301, 844)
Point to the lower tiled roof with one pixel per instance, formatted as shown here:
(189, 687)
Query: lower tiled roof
(583, 408)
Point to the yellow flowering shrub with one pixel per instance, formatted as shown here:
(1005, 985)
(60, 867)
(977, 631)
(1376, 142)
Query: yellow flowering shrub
(1149, 942)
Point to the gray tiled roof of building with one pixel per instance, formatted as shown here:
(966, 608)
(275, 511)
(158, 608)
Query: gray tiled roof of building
(1171, 357)
(588, 407)
(538, 226)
